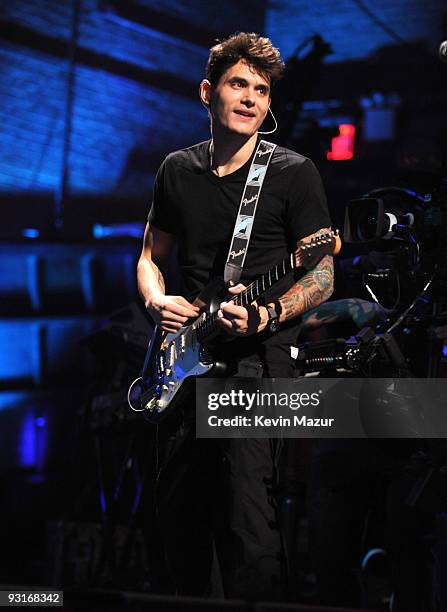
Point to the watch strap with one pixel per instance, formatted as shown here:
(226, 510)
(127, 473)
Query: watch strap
(273, 320)
(272, 313)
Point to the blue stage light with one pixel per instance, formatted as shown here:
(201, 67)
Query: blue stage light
(30, 232)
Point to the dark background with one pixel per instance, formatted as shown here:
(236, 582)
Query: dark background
(94, 93)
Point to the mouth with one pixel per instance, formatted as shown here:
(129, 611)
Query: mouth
(245, 114)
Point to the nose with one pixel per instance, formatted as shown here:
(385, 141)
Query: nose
(248, 98)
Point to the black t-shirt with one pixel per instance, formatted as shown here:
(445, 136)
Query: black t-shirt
(200, 209)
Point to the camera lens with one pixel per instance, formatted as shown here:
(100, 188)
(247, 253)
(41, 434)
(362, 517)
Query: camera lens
(367, 226)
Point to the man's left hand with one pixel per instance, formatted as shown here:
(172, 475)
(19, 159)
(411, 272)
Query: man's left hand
(241, 320)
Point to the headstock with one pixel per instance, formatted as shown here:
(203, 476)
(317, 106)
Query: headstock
(308, 254)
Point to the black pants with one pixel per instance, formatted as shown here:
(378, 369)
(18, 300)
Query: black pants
(216, 509)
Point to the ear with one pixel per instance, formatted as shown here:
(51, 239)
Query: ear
(205, 92)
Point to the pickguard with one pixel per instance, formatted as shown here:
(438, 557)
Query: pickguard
(181, 360)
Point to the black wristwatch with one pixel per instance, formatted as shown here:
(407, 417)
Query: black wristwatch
(273, 320)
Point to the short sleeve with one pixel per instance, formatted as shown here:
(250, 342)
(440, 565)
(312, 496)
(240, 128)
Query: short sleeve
(161, 213)
(307, 210)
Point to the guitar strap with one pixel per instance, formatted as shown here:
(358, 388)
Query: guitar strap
(247, 210)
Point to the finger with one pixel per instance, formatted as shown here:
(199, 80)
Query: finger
(166, 315)
(233, 311)
(227, 326)
(237, 324)
(237, 288)
(225, 323)
(178, 309)
(183, 302)
(171, 327)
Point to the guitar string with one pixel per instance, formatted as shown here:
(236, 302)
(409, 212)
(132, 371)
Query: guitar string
(245, 292)
(311, 244)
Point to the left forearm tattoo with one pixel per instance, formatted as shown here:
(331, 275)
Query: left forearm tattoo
(314, 288)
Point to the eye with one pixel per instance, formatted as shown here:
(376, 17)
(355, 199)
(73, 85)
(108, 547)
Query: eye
(263, 90)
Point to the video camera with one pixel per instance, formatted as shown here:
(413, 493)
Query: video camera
(416, 222)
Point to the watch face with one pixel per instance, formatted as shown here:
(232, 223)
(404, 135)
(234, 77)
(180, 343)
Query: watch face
(273, 325)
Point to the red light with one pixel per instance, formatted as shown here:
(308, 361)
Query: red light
(342, 146)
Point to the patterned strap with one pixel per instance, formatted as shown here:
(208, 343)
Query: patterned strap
(247, 210)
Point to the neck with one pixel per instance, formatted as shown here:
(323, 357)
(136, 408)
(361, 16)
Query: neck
(228, 154)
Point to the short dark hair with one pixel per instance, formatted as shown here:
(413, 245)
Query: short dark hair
(256, 50)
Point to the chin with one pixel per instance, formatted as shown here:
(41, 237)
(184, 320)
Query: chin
(243, 130)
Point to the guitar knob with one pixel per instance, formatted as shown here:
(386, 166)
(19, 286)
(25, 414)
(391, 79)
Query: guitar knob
(151, 404)
(161, 405)
(168, 372)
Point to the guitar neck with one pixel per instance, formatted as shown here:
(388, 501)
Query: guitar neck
(265, 282)
(254, 291)
(306, 256)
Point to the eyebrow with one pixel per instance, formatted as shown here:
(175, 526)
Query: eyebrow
(235, 78)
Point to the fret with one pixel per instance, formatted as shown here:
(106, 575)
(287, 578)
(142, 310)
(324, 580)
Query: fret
(207, 323)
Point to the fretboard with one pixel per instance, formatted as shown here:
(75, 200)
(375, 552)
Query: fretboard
(263, 283)
(250, 294)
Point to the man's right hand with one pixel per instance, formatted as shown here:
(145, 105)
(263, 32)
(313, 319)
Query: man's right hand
(170, 312)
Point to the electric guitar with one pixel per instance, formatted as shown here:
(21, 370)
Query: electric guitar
(175, 359)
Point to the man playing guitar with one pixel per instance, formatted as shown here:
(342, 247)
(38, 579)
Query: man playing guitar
(214, 497)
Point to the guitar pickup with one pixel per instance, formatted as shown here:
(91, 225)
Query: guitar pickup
(171, 355)
(182, 343)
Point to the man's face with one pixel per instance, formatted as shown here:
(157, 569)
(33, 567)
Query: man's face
(241, 99)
